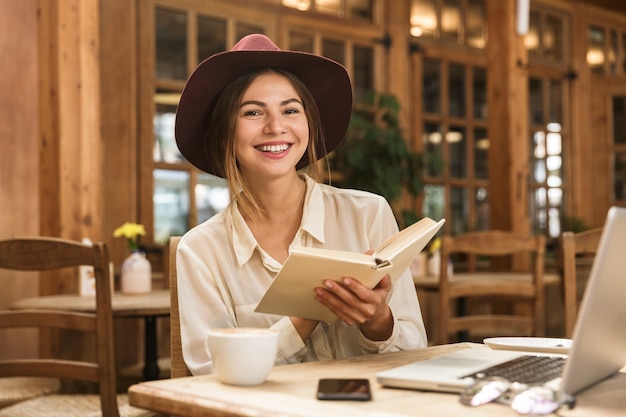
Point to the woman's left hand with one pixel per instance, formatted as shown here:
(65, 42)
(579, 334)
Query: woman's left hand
(356, 304)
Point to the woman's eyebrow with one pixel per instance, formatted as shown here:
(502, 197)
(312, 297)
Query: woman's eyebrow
(262, 104)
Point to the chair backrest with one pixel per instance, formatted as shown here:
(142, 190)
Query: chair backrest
(574, 245)
(494, 244)
(43, 254)
(178, 369)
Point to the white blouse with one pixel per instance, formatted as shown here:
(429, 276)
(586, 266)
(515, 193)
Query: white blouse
(223, 273)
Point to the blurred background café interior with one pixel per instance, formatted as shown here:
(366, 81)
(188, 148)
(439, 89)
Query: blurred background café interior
(516, 109)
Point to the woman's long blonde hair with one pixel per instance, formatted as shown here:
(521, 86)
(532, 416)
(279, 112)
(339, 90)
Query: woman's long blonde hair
(219, 139)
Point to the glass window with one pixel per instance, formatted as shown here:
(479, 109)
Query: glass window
(334, 50)
(165, 148)
(459, 210)
(331, 7)
(457, 144)
(531, 40)
(481, 202)
(476, 35)
(555, 98)
(624, 53)
(619, 120)
(595, 50)
(301, 42)
(612, 55)
(211, 36)
(535, 100)
(456, 87)
(450, 20)
(171, 44)
(481, 153)
(480, 93)
(553, 38)
(243, 29)
(619, 145)
(431, 86)
(171, 204)
(423, 18)
(212, 195)
(434, 150)
(434, 201)
(361, 9)
(363, 75)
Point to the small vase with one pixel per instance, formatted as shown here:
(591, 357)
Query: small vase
(136, 274)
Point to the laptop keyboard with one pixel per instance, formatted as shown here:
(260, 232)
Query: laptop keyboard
(526, 369)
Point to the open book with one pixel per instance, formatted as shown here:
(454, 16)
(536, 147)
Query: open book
(292, 291)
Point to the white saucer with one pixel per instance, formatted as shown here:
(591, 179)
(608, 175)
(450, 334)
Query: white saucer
(530, 344)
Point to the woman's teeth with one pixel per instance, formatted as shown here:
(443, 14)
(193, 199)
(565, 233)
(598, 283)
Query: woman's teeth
(273, 148)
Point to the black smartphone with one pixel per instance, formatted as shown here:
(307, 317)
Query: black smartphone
(354, 389)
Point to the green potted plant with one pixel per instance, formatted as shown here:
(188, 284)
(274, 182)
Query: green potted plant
(374, 155)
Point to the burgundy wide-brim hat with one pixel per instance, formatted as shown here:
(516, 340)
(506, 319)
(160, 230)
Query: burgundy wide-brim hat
(326, 79)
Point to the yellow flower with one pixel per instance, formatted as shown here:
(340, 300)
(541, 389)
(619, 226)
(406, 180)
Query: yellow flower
(130, 231)
(435, 245)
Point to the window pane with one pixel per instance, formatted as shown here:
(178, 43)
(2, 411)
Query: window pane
(476, 24)
(302, 5)
(458, 210)
(619, 119)
(624, 53)
(423, 18)
(553, 38)
(480, 94)
(456, 86)
(363, 78)
(612, 56)
(434, 150)
(481, 201)
(556, 101)
(212, 196)
(538, 201)
(531, 40)
(171, 44)
(165, 148)
(537, 157)
(171, 204)
(457, 144)
(619, 175)
(535, 101)
(243, 29)
(595, 51)
(211, 36)
(431, 88)
(331, 7)
(301, 42)
(481, 154)
(450, 20)
(434, 201)
(361, 9)
(334, 50)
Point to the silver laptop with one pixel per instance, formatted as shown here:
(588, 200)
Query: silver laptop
(598, 348)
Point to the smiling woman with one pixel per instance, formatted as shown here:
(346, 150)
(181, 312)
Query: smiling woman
(261, 118)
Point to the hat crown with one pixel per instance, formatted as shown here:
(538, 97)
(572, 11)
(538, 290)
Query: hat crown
(255, 42)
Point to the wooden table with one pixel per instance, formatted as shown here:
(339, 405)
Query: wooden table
(290, 391)
(148, 306)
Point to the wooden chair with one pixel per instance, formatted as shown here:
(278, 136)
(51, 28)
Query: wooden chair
(43, 254)
(179, 369)
(573, 246)
(492, 285)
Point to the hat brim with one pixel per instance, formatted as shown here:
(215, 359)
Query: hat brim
(327, 81)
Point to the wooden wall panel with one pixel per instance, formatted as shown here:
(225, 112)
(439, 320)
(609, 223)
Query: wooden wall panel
(19, 165)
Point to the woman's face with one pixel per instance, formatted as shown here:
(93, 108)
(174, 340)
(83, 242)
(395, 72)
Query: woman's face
(272, 132)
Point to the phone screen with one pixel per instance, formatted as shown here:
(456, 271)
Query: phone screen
(344, 389)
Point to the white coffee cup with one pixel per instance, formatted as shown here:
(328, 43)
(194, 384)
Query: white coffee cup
(243, 355)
